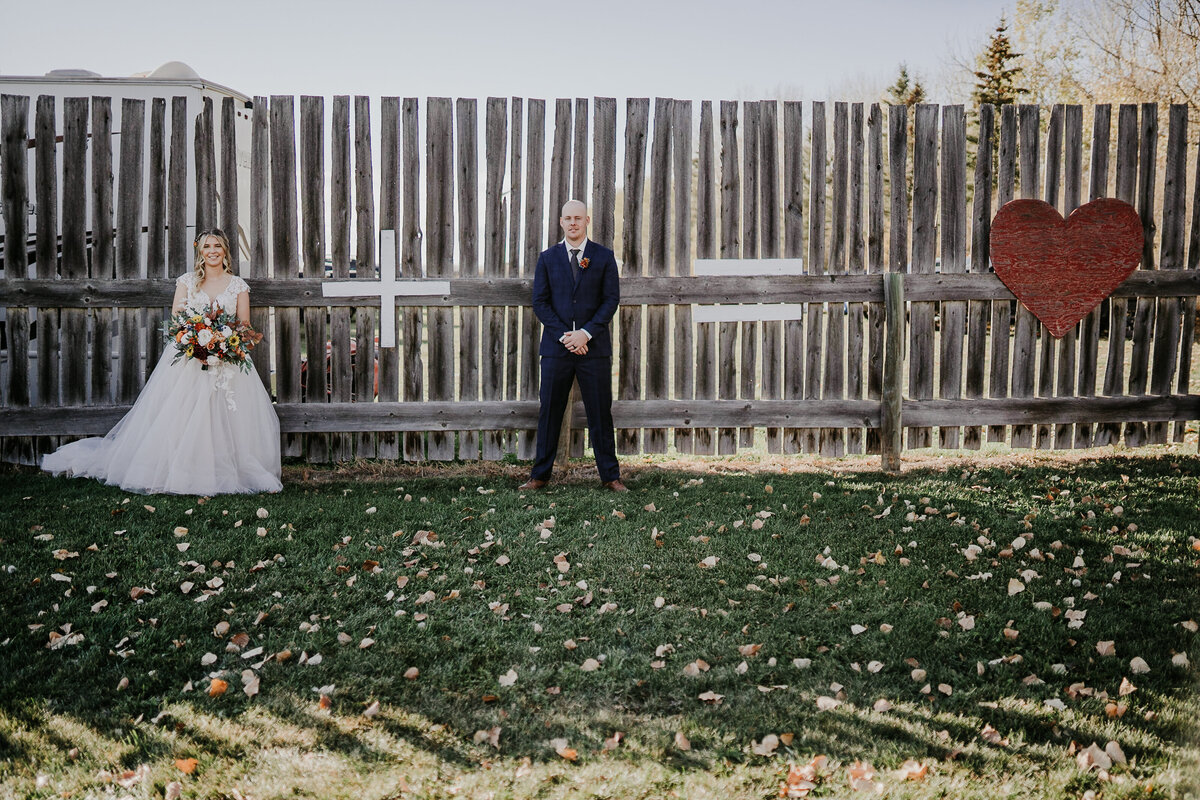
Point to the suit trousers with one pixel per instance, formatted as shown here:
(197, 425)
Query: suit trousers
(595, 387)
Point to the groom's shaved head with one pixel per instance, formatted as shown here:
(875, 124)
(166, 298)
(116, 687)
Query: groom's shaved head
(574, 207)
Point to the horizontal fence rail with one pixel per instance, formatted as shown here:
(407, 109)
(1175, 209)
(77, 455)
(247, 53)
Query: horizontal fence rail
(804, 277)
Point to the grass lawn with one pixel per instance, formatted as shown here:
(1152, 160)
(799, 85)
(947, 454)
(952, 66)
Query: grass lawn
(446, 636)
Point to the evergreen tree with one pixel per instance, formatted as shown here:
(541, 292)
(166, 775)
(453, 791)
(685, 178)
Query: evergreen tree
(996, 79)
(906, 91)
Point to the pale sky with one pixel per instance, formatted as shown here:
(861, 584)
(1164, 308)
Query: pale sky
(703, 49)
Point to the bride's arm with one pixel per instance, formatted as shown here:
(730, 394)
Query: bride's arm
(180, 297)
(243, 307)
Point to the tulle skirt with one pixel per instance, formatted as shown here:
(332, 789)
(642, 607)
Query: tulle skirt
(191, 431)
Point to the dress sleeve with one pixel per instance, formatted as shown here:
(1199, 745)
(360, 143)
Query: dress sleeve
(237, 286)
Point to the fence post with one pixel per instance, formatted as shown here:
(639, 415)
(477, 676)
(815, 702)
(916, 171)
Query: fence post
(893, 370)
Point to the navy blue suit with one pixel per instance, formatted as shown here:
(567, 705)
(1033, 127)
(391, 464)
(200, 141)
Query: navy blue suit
(563, 306)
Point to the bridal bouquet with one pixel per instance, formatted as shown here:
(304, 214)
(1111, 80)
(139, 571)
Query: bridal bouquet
(211, 335)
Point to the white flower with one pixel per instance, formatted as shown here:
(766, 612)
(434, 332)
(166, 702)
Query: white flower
(204, 337)
(226, 331)
(212, 361)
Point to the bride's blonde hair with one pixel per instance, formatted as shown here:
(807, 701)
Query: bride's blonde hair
(220, 236)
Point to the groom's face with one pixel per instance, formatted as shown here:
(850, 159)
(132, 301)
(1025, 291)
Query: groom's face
(574, 221)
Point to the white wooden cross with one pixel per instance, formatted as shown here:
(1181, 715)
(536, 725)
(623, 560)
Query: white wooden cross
(387, 289)
(748, 312)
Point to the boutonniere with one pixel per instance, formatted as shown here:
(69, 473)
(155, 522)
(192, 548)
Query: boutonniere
(583, 263)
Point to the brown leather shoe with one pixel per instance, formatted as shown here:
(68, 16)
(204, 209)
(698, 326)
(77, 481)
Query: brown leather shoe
(532, 485)
(616, 486)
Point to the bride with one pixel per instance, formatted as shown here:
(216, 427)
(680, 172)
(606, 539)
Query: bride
(192, 430)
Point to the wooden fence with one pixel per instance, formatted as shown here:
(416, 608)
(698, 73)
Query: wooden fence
(849, 208)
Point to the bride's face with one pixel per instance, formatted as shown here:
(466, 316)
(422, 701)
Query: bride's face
(212, 252)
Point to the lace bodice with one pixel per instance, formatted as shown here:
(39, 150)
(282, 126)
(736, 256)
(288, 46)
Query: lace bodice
(197, 298)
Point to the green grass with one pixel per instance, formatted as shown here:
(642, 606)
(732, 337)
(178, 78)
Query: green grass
(66, 716)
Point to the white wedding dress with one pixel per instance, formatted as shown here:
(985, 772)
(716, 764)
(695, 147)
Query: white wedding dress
(191, 431)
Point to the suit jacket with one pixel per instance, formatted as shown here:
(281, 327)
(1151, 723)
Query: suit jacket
(562, 306)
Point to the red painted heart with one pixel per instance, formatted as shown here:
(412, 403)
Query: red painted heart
(1061, 269)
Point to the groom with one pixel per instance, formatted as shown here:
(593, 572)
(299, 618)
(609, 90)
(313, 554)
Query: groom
(575, 294)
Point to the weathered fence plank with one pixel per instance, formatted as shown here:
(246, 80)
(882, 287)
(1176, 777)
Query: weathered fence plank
(1024, 347)
(658, 356)
(1064, 384)
(1183, 380)
(629, 380)
(681, 338)
(731, 247)
(129, 246)
(229, 181)
(876, 231)
(954, 258)
(103, 249)
(793, 247)
(439, 258)
(748, 367)
(468, 264)
(205, 149)
(1053, 182)
(156, 230)
(924, 247)
(810, 438)
(285, 256)
(604, 175)
(856, 255)
(514, 345)
(1143, 319)
(706, 229)
(179, 244)
(45, 173)
(365, 318)
(341, 375)
(898, 262)
(492, 355)
(387, 443)
(1001, 325)
(1089, 335)
(978, 311)
(74, 248)
(1171, 257)
(535, 166)
(312, 255)
(14, 126)
(411, 260)
(1126, 184)
(260, 234)
(833, 440)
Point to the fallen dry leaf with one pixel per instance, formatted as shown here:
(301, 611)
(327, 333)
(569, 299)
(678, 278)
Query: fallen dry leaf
(766, 747)
(508, 678)
(912, 770)
(186, 765)
(712, 698)
(1138, 666)
(590, 665)
(489, 735)
(614, 741)
(217, 687)
(1108, 648)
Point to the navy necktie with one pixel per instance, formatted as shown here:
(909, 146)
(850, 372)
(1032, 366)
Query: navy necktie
(576, 271)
